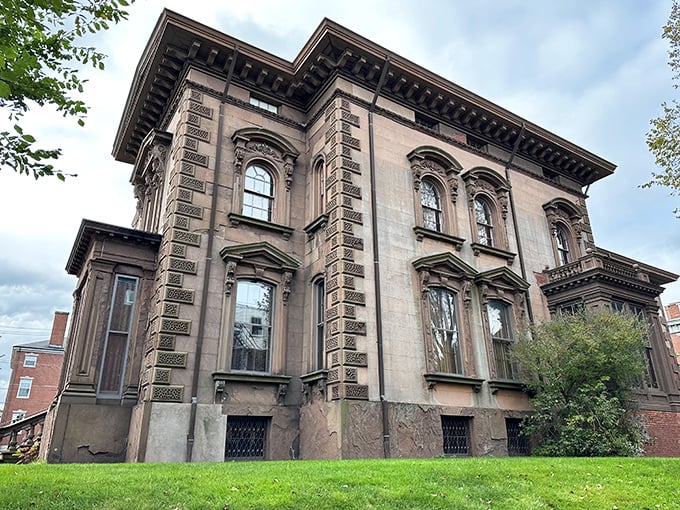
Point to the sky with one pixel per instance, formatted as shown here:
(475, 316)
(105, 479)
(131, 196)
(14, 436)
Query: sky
(591, 71)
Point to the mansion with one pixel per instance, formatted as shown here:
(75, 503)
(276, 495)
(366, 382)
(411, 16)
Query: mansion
(330, 259)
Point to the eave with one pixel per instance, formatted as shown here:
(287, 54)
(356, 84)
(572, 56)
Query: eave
(90, 230)
(178, 43)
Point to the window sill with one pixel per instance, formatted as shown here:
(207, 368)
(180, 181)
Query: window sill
(478, 248)
(506, 384)
(439, 377)
(421, 232)
(315, 377)
(248, 377)
(315, 225)
(236, 219)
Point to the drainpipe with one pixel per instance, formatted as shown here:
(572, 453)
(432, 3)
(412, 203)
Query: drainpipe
(514, 221)
(376, 268)
(208, 262)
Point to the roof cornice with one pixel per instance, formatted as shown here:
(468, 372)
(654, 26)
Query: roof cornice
(332, 50)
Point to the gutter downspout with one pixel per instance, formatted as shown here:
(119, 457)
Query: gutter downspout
(376, 267)
(514, 221)
(208, 262)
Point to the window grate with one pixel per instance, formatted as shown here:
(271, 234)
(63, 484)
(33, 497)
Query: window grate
(518, 443)
(246, 437)
(456, 432)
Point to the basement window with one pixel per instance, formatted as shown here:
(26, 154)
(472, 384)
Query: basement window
(246, 437)
(518, 443)
(456, 435)
(264, 105)
(426, 122)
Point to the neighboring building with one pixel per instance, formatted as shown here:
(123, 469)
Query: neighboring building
(673, 322)
(330, 258)
(36, 368)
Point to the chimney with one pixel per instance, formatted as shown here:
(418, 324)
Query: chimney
(58, 329)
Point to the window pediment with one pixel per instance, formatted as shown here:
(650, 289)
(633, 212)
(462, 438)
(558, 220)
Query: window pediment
(502, 278)
(445, 262)
(256, 143)
(428, 159)
(261, 254)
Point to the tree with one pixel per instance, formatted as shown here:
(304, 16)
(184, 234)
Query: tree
(580, 370)
(663, 139)
(40, 57)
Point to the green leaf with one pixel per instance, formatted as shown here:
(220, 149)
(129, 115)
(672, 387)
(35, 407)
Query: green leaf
(5, 90)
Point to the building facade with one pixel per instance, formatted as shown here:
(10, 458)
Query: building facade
(36, 368)
(673, 321)
(330, 258)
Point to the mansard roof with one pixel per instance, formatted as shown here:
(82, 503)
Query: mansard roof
(332, 51)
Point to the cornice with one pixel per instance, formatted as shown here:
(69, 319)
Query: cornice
(178, 43)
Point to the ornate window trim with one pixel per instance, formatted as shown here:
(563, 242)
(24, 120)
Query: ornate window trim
(445, 270)
(504, 285)
(256, 262)
(483, 184)
(261, 147)
(563, 214)
(440, 169)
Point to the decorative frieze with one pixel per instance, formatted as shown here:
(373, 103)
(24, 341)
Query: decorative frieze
(181, 222)
(180, 295)
(166, 342)
(175, 326)
(161, 375)
(183, 265)
(171, 359)
(160, 393)
(178, 250)
(192, 183)
(194, 157)
(170, 310)
(199, 109)
(181, 236)
(188, 209)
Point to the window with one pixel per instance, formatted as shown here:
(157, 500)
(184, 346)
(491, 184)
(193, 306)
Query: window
(431, 203)
(258, 194)
(478, 144)
(121, 317)
(320, 188)
(251, 348)
(264, 105)
(319, 323)
(30, 360)
(246, 438)
(456, 435)
(518, 444)
(444, 325)
(484, 221)
(650, 379)
(571, 309)
(18, 415)
(500, 326)
(426, 122)
(24, 390)
(562, 243)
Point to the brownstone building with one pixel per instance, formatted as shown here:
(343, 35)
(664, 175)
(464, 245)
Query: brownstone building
(330, 258)
(36, 368)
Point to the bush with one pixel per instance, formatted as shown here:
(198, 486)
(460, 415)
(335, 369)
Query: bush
(580, 371)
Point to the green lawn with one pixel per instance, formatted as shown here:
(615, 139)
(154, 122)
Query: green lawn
(479, 483)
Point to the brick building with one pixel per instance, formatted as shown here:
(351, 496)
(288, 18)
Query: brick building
(673, 321)
(36, 368)
(330, 258)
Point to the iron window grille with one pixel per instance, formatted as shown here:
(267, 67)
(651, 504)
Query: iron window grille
(246, 438)
(518, 444)
(456, 434)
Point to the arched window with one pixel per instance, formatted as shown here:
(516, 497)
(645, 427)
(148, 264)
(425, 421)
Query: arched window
(258, 193)
(445, 338)
(483, 218)
(562, 243)
(319, 347)
(252, 346)
(431, 204)
(319, 188)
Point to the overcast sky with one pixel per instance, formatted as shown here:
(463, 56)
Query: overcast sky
(591, 71)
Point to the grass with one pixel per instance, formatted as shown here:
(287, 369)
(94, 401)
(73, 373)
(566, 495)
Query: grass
(471, 483)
